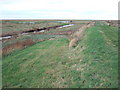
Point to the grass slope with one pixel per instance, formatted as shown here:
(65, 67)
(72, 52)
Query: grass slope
(92, 64)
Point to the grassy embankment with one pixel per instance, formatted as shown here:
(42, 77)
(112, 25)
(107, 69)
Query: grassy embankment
(92, 63)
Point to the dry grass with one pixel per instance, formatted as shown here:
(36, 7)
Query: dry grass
(75, 37)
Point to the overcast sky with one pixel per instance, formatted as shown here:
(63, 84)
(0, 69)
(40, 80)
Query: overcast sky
(59, 9)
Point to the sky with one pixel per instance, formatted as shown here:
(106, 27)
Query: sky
(59, 9)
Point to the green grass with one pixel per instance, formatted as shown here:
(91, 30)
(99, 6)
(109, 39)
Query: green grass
(31, 61)
(100, 57)
(93, 63)
(33, 37)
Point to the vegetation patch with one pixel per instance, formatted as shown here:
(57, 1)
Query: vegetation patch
(93, 63)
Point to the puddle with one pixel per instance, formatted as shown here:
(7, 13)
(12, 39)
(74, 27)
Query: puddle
(42, 31)
(39, 31)
(5, 37)
(66, 25)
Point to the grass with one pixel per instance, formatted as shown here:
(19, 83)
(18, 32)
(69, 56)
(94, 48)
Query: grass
(27, 37)
(9, 44)
(74, 27)
(93, 63)
(15, 26)
(100, 57)
(31, 60)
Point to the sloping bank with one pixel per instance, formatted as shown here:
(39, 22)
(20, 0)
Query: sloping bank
(77, 36)
(93, 63)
